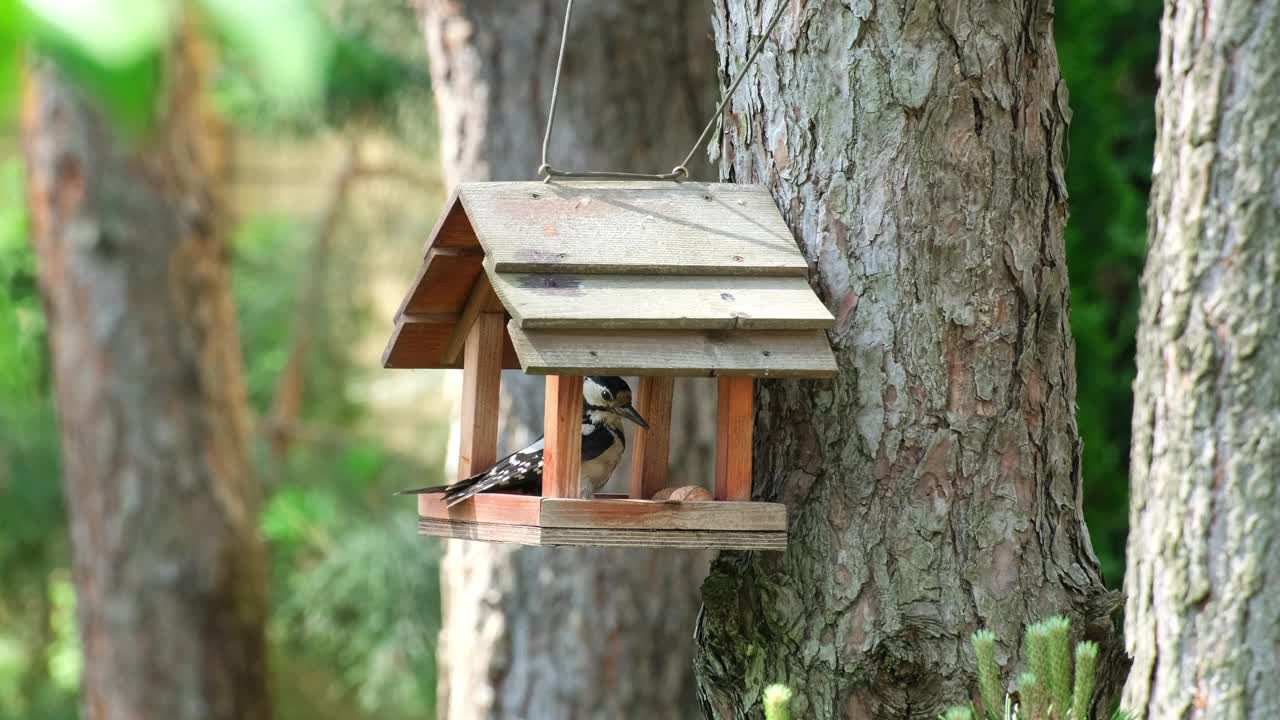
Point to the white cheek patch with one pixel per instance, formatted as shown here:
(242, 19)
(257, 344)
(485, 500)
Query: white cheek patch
(591, 393)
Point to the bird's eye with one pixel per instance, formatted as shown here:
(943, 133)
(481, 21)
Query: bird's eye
(606, 394)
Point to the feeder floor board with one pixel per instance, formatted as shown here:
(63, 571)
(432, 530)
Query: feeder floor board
(532, 520)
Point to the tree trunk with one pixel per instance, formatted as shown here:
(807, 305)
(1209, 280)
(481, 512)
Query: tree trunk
(168, 567)
(571, 632)
(1204, 571)
(915, 148)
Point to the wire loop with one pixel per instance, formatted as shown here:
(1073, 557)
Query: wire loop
(547, 171)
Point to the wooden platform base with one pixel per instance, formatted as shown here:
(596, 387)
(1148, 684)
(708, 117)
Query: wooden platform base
(610, 521)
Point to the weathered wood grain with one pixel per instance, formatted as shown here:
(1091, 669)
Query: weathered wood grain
(484, 508)
(481, 382)
(419, 342)
(632, 227)
(651, 449)
(444, 282)
(562, 448)
(654, 302)
(595, 537)
(802, 353)
(481, 300)
(693, 539)
(670, 515)
(734, 423)
(453, 228)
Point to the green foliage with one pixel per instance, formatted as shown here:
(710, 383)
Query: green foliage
(354, 591)
(115, 50)
(777, 702)
(1107, 50)
(989, 689)
(32, 520)
(1045, 690)
(1086, 675)
(365, 82)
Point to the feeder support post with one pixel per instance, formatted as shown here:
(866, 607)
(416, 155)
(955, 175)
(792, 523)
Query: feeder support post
(734, 425)
(562, 448)
(481, 382)
(651, 448)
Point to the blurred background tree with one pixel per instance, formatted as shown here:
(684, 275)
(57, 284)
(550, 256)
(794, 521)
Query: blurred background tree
(1107, 51)
(353, 594)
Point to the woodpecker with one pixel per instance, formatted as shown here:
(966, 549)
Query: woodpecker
(606, 402)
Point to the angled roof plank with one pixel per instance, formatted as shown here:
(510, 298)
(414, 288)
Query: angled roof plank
(482, 299)
(453, 230)
(631, 228)
(782, 353)
(655, 302)
(444, 282)
(420, 341)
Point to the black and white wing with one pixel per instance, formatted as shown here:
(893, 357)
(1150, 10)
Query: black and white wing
(521, 470)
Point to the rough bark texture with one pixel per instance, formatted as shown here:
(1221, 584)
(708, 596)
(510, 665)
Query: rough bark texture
(1204, 542)
(915, 148)
(166, 560)
(571, 632)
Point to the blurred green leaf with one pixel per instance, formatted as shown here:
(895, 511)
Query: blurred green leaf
(12, 30)
(286, 42)
(295, 515)
(365, 80)
(112, 34)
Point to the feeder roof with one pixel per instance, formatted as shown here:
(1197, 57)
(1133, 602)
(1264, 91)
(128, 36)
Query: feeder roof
(617, 278)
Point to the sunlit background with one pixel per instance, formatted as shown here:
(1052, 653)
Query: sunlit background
(335, 185)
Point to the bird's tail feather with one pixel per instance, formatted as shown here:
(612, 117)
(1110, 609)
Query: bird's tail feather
(453, 494)
(424, 490)
(461, 491)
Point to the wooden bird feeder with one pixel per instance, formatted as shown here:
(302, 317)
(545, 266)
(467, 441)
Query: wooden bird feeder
(656, 279)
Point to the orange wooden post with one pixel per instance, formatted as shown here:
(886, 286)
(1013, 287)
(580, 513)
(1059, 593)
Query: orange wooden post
(481, 381)
(651, 448)
(562, 449)
(734, 419)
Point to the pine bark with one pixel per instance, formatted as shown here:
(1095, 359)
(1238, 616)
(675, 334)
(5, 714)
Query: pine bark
(571, 632)
(933, 487)
(1203, 573)
(168, 567)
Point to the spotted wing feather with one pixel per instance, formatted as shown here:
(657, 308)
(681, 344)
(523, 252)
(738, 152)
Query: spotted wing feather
(519, 470)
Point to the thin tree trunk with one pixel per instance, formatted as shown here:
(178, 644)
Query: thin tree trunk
(570, 632)
(1203, 620)
(915, 148)
(168, 568)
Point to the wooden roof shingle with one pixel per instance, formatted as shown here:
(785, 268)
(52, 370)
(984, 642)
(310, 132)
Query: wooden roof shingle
(620, 278)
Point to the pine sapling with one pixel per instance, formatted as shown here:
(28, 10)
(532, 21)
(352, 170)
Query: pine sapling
(984, 648)
(1086, 676)
(1033, 701)
(1058, 683)
(777, 702)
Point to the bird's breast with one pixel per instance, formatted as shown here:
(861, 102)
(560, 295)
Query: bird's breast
(597, 471)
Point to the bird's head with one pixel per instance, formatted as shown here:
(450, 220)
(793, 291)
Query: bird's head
(611, 395)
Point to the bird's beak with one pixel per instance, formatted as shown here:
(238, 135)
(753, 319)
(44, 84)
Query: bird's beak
(629, 412)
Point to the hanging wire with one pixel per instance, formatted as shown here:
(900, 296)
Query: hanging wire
(555, 90)
(547, 171)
